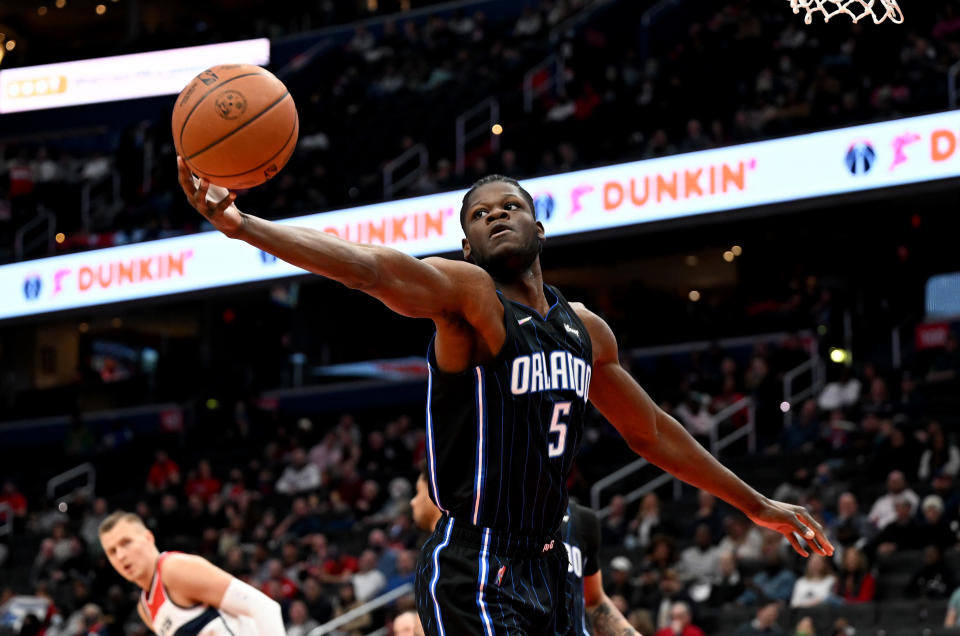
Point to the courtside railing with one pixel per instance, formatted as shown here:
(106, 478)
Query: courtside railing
(84, 471)
(792, 397)
(363, 610)
(717, 444)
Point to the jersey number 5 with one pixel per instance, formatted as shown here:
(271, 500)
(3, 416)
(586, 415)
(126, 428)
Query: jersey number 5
(560, 409)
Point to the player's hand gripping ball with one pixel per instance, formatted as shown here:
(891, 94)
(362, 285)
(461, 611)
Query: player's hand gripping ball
(235, 125)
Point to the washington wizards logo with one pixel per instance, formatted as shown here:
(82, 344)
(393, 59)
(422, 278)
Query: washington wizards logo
(32, 286)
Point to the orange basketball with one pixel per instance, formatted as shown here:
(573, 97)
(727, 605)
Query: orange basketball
(236, 125)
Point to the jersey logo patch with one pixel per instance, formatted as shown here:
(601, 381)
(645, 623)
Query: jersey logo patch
(570, 329)
(524, 321)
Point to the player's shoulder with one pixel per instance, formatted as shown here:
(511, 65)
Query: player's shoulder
(177, 566)
(461, 269)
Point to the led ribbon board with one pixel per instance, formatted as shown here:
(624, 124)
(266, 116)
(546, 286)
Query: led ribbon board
(822, 164)
(109, 79)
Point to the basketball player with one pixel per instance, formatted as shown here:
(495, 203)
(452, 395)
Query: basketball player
(510, 367)
(182, 594)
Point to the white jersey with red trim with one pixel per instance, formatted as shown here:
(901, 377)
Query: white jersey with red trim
(170, 619)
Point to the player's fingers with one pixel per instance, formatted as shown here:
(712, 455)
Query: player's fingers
(200, 196)
(792, 538)
(818, 541)
(185, 178)
(225, 203)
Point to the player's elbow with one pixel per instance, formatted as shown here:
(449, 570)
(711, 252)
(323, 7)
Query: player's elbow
(644, 436)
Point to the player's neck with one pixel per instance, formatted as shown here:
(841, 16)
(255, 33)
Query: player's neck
(526, 288)
(147, 579)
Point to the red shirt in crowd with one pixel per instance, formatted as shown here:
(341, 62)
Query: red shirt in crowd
(161, 472)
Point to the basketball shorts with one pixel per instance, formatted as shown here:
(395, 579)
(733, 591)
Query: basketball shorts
(473, 580)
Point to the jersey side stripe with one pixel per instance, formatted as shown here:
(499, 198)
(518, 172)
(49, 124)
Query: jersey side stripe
(436, 575)
(431, 448)
(484, 566)
(481, 440)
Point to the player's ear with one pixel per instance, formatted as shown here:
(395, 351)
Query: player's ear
(467, 253)
(541, 235)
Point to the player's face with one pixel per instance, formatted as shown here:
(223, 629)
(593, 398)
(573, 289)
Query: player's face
(502, 234)
(131, 550)
(425, 513)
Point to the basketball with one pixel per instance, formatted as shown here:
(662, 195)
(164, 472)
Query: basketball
(236, 125)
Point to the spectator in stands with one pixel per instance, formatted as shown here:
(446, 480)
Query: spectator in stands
(803, 433)
(405, 571)
(350, 487)
(619, 582)
(764, 624)
(709, 513)
(203, 483)
(933, 529)
(327, 453)
(840, 394)
(701, 561)
(277, 577)
(727, 584)
(318, 606)
(849, 527)
(774, 583)
(883, 512)
(407, 624)
(681, 622)
(817, 584)
(742, 538)
(347, 601)
(940, 454)
(300, 476)
(902, 534)
(649, 521)
(934, 579)
(614, 527)
(90, 526)
(805, 627)
(13, 498)
(794, 490)
(695, 415)
(300, 622)
(894, 449)
(877, 401)
(942, 486)
(164, 473)
(855, 583)
(368, 581)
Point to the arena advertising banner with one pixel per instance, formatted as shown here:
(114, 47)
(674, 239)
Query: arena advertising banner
(822, 164)
(108, 79)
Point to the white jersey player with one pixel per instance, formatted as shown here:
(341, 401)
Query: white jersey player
(183, 594)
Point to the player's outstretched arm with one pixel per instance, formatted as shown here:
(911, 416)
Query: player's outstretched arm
(663, 441)
(194, 579)
(428, 288)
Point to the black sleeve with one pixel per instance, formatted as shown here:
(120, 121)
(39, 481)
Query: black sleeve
(588, 536)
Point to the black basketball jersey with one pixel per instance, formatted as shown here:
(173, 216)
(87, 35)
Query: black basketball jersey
(501, 437)
(580, 532)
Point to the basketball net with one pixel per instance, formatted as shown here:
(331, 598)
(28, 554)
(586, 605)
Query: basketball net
(879, 10)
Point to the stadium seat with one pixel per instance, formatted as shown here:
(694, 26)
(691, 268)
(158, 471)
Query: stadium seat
(898, 613)
(860, 615)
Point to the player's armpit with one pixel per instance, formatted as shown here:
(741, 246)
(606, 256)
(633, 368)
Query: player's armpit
(143, 616)
(614, 391)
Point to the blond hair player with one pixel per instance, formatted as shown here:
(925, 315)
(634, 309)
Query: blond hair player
(183, 594)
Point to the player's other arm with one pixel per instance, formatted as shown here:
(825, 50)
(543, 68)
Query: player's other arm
(663, 441)
(193, 579)
(428, 288)
(605, 618)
